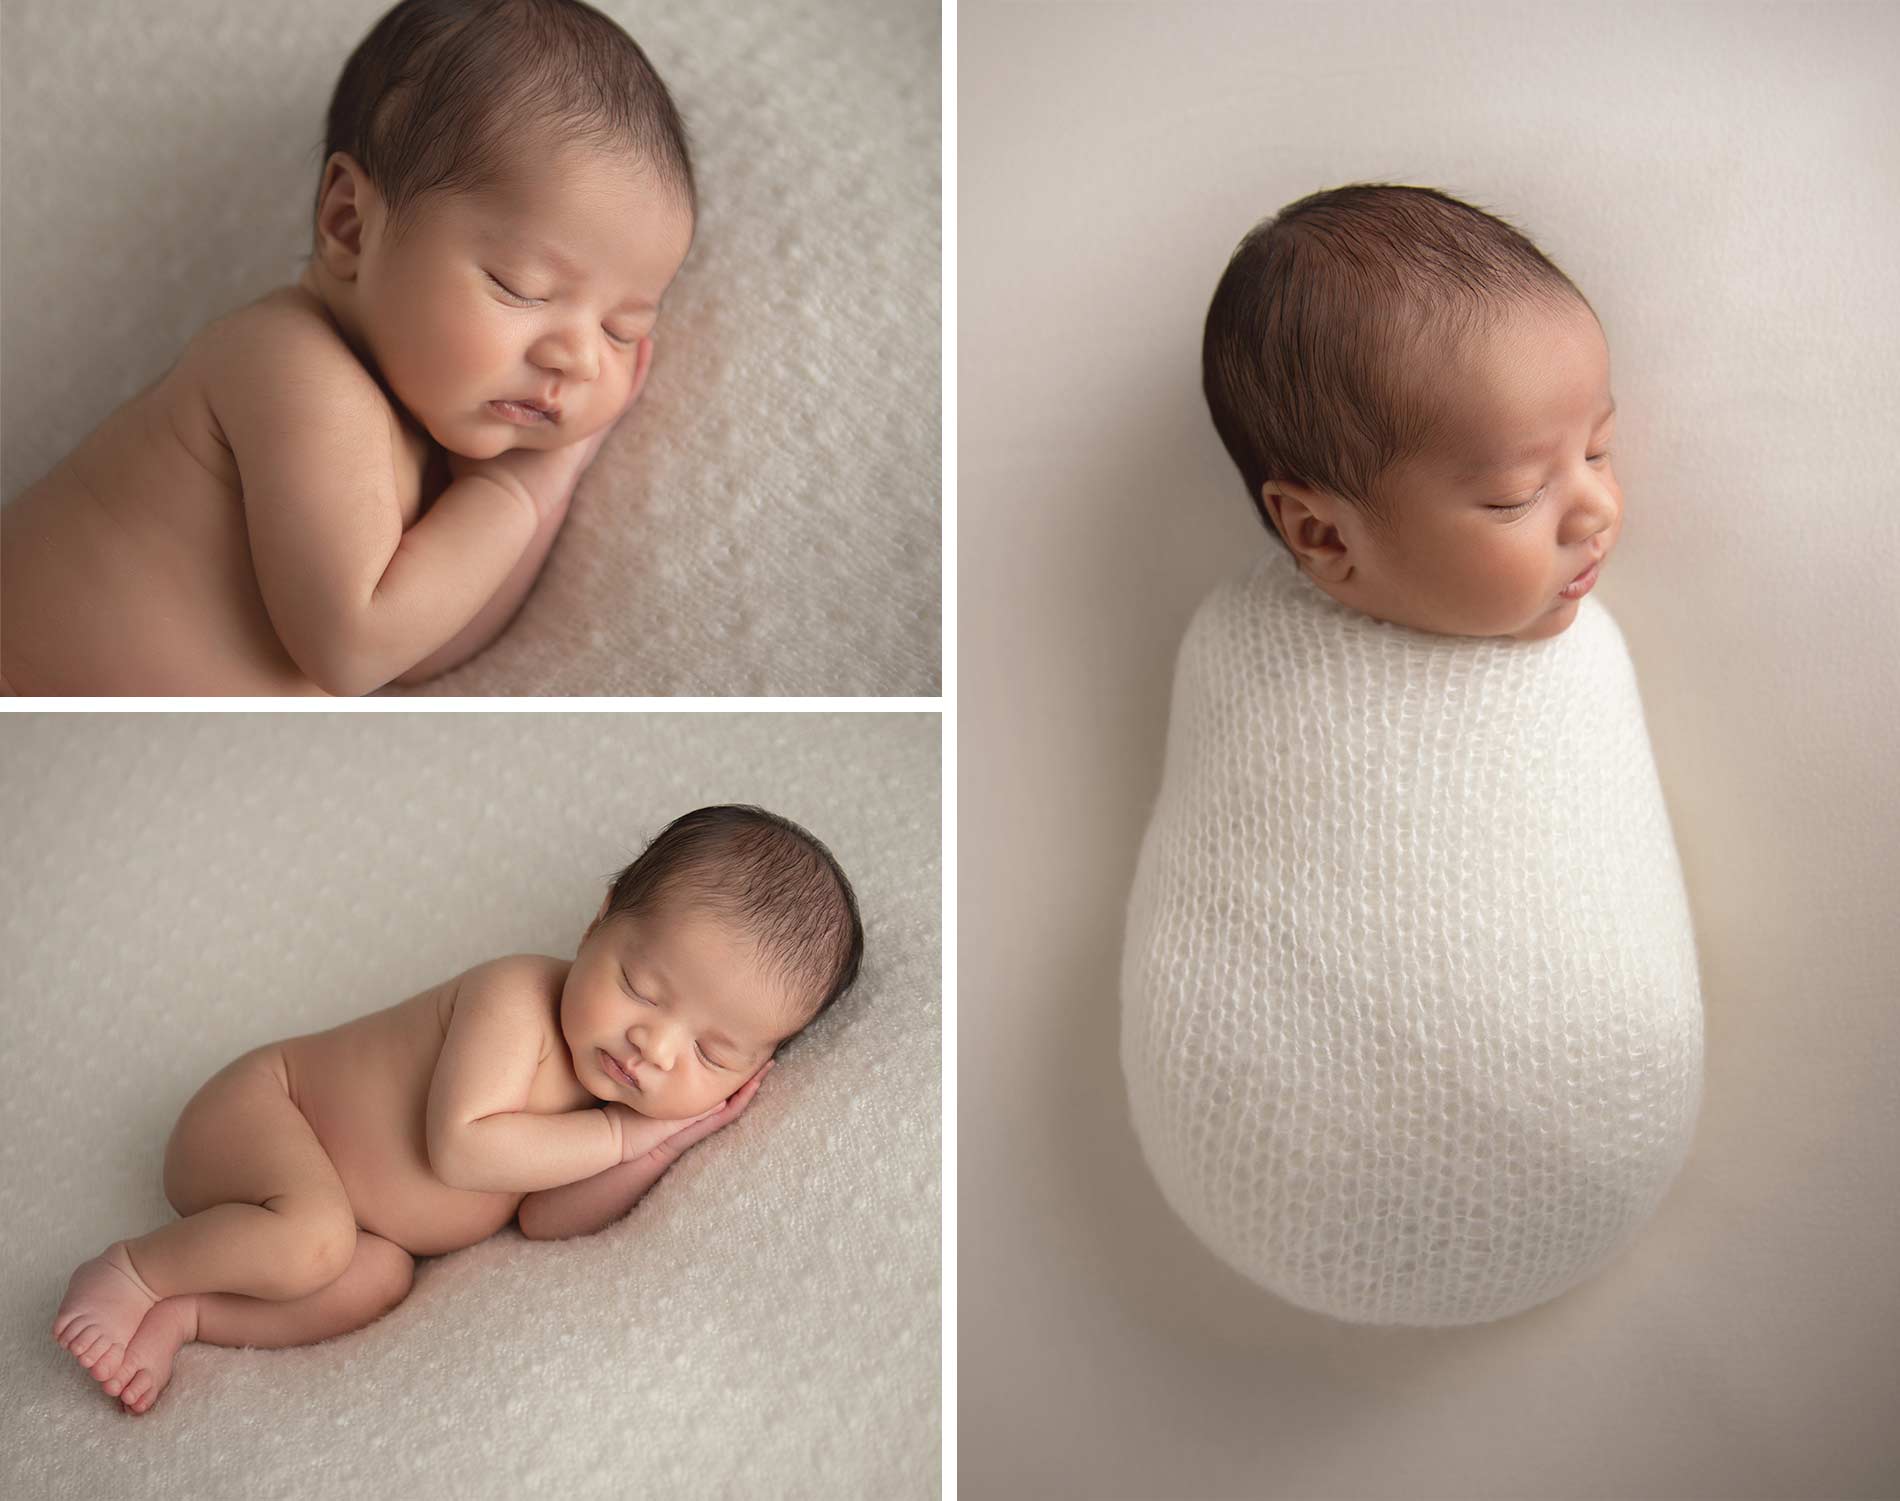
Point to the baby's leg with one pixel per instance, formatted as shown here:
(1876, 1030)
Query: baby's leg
(378, 1278)
(265, 1214)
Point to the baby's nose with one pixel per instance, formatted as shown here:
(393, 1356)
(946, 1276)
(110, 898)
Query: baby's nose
(658, 1048)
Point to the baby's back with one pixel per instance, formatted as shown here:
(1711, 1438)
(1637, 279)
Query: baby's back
(128, 567)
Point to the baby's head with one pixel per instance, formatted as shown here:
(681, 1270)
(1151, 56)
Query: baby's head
(1419, 403)
(506, 195)
(733, 932)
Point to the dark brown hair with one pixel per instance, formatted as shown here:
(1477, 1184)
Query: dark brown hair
(766, 876)
(436, 98)
(1317, 358)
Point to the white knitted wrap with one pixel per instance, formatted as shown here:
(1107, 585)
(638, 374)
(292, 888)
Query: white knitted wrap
(1411, 1019)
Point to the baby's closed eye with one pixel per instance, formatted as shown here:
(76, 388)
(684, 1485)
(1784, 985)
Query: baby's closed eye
(699, 1048)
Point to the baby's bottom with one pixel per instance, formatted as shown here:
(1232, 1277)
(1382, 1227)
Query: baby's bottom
(268, 1252)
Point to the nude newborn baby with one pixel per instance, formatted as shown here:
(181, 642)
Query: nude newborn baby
(355, 479)
(1419, 404)
(310, 1172)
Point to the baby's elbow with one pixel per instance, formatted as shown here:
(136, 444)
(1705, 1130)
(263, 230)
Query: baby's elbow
(441, 1160)
(345, 681)
(422, 672)
(338, 662)
(429, 669)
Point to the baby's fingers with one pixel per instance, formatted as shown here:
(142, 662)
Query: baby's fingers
(751, 1087)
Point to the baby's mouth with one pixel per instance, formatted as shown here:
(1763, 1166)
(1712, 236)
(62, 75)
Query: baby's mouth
(526, 411)
(616, 1071)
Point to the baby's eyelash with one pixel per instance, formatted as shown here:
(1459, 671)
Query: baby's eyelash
(704, 1056)
(524, 301)
(627, 985)
(1524, 504)
(532, 301)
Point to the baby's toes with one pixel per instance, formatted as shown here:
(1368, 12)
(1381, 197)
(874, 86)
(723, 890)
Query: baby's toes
(106, 1363)
(135, 1389)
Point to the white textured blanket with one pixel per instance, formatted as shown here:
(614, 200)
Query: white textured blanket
(1412, 1021)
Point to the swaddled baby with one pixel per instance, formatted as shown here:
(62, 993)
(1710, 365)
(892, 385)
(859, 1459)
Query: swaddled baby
(1412, 1023)
(356, 478)
(310, 1173)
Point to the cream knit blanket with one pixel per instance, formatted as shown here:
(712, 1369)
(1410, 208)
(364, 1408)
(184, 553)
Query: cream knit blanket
(1412, 1025)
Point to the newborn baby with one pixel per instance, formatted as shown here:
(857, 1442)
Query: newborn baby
(310, 1172)
(355, 479)
(1411, 1018)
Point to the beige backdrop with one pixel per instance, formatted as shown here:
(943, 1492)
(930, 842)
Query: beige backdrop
(1721, 182)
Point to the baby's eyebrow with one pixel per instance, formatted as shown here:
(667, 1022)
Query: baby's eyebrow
(1492, 466)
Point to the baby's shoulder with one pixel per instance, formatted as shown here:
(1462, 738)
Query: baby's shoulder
(522, 985)
(287, 330)
(514, 972)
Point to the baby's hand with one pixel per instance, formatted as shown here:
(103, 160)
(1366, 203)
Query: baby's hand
(543, 477)
(667, 1141)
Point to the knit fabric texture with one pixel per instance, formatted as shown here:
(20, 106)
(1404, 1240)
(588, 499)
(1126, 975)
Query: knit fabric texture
(1411, 1016)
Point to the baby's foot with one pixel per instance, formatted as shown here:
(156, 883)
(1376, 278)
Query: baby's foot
(104, 1303)
(147, 1367)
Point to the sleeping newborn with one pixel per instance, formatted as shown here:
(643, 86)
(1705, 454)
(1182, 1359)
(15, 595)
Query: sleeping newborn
(1411, 1015)
(355, 479)
(310, 1172)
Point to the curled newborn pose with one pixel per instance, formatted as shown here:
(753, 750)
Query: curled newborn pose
(310, 1172)
(1412, 1026)
(355, 479)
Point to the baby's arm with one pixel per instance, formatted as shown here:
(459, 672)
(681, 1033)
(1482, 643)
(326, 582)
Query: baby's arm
(500, 609)
(479, 1133)
(594, 1203)
(552, 477)
(354, 599)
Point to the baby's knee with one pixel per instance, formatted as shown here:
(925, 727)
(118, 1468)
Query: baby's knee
(320, 1251)
(394, 1270)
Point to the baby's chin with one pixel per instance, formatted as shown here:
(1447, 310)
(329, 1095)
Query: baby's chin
(640, 1107)
(1550, 623)
(476, 439)
(668, 1114)
(479, 445)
